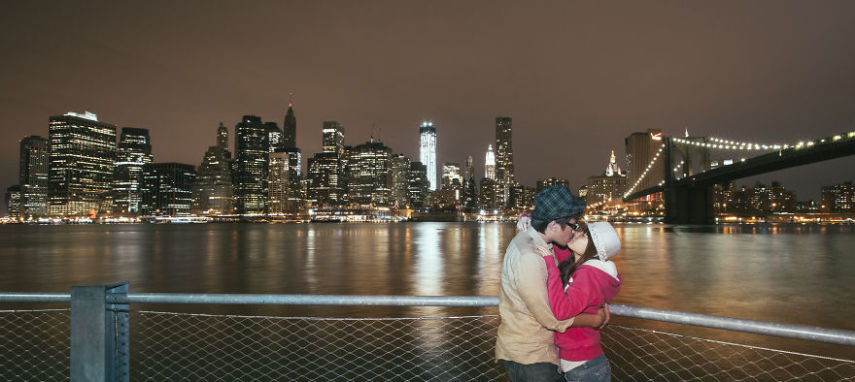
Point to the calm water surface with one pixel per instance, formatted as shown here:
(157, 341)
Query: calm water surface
(799, 274)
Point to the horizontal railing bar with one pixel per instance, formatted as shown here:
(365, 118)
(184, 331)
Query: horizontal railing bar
(836, 336)
(303, 299)
(35, 297)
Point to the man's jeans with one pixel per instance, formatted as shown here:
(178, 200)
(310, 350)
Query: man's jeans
(536, 372)
(595, 370)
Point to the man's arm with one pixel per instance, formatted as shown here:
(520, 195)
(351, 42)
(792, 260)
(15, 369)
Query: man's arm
(599, 320)
(532, 289)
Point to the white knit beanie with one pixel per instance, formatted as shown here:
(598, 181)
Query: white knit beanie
(605, 239)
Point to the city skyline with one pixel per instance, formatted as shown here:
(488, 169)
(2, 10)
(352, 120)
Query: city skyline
(770, 72)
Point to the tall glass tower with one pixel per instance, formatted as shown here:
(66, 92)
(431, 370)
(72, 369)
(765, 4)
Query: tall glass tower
(134, 151)
(427, 151)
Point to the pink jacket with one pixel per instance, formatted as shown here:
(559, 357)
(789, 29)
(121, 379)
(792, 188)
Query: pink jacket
(589, 289)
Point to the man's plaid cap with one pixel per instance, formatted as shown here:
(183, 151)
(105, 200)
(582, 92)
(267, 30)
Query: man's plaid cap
(556, 202)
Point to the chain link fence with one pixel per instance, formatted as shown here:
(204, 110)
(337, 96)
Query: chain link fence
(182, 346)
(35, 345)
(225, 347)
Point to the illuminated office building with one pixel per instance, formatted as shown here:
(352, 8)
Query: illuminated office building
(133, 152)
(212, 190)
(427, 151)
(13, 201)
(418, 185)
(399, 168)
(451, 176)
(325, 170)
(838, 197)
(33, 176)
(548, 182)
(333, 138)
(369, 177)
(325, 180)
(250, 166)
(167, 189)
(82, 155)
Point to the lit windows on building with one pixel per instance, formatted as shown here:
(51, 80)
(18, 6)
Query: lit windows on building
(82, 156)
(33, 176)
(249, 177)
(133, 152)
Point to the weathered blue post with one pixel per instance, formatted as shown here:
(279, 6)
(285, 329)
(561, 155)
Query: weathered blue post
(99, 334)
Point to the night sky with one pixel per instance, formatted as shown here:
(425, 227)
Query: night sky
(577, 77)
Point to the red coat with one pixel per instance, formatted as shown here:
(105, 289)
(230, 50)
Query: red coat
(588, 290)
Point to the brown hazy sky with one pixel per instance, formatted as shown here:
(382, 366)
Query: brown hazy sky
(577, 77)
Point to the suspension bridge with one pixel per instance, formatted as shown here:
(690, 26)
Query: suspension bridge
(685, 169)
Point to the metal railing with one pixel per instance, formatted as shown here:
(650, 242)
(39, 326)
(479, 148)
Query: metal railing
(100, 338)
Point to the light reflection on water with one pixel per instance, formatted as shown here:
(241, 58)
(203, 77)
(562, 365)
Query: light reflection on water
(799, 274)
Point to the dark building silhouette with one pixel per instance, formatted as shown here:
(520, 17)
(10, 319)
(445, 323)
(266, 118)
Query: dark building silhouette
(133, 152)
(289, 128)
(82, 156)
(212, 190)
(250, 166)
(167, 189)
(33, 176)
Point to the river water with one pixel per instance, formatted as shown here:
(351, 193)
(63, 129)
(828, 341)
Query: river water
(797, 274)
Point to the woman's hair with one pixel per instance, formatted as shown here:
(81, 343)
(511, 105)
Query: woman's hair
(568, 267)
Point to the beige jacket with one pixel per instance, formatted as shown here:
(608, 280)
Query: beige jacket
(526, 331)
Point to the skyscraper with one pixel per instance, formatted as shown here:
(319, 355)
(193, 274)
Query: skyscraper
(469, 197)
(641, 150)
(212, 189)
(134, 151)
(289, 128)
(250, 166)
(167, 189)
(369, 177)
(427, 151)
(274, 137)
(490, 164)
(82, 157)
(399, 167)
(418, 184)
(33, 176)
(504, 150)
(333, 137)
(325, 170)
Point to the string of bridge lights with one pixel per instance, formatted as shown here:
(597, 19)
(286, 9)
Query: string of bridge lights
(726, 144)
(646, 170)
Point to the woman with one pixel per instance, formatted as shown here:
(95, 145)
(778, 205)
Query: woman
(582, 283)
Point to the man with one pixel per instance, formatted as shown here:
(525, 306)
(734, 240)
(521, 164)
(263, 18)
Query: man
(525, 337)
